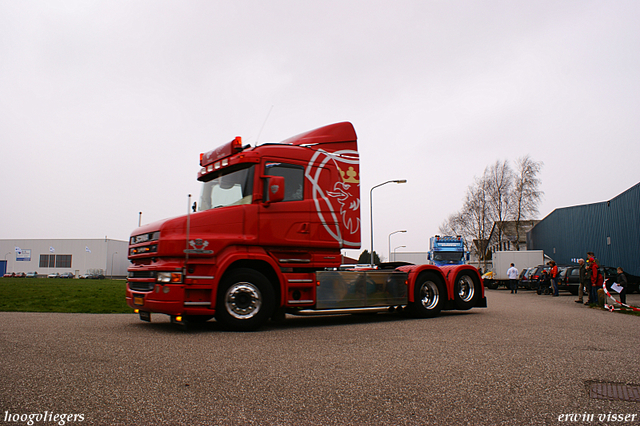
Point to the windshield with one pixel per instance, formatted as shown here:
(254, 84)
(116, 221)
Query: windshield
(448, 256)
(232, 189)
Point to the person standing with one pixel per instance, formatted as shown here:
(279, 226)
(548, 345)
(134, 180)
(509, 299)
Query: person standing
(583, 275)
(554, 277)
(512, 274)
(621, 279)
(592, 274)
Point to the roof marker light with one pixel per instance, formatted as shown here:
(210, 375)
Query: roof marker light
(237, 144)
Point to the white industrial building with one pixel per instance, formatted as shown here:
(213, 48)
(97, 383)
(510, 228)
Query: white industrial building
(76, 256)
(415, 257)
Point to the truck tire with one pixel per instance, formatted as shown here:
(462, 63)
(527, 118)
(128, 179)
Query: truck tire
(245, 300)
(466, 290)
(429, 295)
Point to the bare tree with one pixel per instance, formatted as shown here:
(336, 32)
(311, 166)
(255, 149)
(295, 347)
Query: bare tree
(499, 179)
(476, 208)
(526, 192)
(498, 196)
(472, 222)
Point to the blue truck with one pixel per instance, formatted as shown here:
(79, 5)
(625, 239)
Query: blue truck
(447, 250)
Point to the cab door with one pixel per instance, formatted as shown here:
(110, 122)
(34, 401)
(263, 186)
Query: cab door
(284, 224)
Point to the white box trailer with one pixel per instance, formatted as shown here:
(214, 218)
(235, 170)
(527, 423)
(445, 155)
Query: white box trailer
(502, 260)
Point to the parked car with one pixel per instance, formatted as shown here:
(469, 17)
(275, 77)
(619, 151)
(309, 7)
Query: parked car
(53, 275)
(572, 280)
(535, 278)
(32, 275)
(611, 274)
(525, 278)
(562, 274)
(91, 276)
(20, 275)
(67, 275)
(9, 275)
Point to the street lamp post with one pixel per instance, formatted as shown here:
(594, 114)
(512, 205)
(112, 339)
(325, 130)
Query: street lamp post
(394, 232)
(394, 252)
(371, 210)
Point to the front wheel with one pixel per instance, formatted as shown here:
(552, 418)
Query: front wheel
(245, 300)
(466, 290)
(429, 295)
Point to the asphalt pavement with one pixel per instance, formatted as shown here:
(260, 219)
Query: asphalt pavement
(524, 360)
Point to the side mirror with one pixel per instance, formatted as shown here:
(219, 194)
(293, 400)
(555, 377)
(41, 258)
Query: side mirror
(275, 189)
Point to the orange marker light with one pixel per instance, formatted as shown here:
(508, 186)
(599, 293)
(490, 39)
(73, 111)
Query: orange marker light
(237, 143)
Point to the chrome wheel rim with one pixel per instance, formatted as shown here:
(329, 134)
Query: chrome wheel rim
(466, 289)
(243, 300)
(429, 295)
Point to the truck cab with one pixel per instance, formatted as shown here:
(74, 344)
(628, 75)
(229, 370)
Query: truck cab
(447, 250)
(264, 237)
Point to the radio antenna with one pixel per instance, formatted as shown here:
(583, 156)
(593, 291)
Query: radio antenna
(265, 122)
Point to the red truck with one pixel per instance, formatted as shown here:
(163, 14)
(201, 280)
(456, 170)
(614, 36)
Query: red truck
(266, 239)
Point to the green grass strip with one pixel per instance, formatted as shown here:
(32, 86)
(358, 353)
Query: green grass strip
(63, 295)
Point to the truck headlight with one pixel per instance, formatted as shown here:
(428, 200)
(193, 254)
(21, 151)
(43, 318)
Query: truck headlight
(169, 277)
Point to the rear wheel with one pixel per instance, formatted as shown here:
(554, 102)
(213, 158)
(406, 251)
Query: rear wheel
(429, 295)
(245, 300)
(466, 290)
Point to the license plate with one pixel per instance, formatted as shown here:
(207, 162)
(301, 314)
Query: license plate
(138, 300)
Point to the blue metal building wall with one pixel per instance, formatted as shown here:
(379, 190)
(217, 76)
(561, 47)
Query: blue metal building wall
(610, 229)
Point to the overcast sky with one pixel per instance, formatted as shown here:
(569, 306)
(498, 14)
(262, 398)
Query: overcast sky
(106, 106)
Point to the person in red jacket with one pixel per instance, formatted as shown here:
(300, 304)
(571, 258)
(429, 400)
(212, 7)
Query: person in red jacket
(592, 274)
(554, 277)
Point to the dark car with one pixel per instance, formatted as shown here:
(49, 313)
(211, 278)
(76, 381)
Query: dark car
(536, 277)
(525, 278)
(67, 275)
(571, 280)
(611, 275)
(563, 273)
